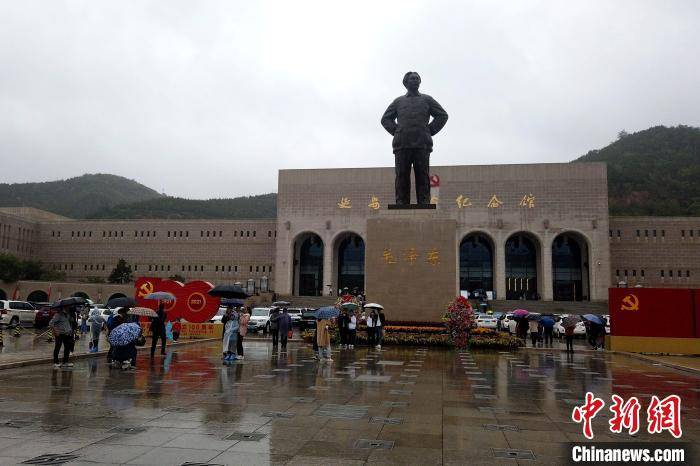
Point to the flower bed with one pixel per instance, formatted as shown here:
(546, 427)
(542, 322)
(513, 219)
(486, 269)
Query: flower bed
(492, 339)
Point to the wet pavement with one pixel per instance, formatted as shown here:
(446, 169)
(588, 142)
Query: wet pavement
(398, 406)
(32, 344)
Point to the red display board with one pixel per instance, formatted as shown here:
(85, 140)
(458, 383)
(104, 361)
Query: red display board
(654, 312)
(192, 303)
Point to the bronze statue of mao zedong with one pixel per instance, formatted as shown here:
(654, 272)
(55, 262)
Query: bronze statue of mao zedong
(408, 119)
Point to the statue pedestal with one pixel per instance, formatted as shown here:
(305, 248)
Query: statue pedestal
(411, 263)
(412, 206)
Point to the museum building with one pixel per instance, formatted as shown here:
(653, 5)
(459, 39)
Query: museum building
(534, 232)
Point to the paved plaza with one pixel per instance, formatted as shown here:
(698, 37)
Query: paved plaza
(398, 406)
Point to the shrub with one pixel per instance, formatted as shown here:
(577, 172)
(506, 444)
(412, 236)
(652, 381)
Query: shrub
(459, 320)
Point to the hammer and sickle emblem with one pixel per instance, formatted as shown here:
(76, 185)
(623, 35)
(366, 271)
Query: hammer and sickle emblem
(630, 303)
(145, 289)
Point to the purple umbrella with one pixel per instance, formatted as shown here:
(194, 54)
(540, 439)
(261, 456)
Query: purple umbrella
(520, 313)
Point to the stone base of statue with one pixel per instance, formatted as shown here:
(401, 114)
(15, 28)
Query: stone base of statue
(412, 206)
(411, 263)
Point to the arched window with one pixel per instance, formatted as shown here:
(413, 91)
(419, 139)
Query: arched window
(351, 262)
(309, 260)
(570, 268)
(521, 267)
(476, 263)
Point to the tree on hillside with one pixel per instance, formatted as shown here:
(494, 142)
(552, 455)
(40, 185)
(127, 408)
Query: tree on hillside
(121, 273)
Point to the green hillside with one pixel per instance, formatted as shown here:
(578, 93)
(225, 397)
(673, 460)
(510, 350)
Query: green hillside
(653, 172)
(75, 197)
(262, 206)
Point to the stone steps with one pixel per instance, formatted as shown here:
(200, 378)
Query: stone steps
(308, 301)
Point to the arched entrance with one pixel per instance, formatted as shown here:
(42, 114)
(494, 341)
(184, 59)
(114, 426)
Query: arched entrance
(350, 262)
(38, 296)
(81, 294)
(476, 263)
(522, 252)
(308, 265)
(3, 295)
(570, 268)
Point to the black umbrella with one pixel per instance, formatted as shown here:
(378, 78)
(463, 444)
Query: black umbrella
(67, 302)
(228, 291)
(124, 301)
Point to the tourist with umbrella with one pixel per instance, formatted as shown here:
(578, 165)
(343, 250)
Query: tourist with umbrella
(595, 326)
(63, 333)
(569, 324)
(158, 330)
(123, 340)
(534, 325)
(547, 323)
(243, 319)
(230, 340)
(284, 327)
(97, 323)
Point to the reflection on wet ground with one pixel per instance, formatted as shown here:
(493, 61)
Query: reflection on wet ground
(398, 406)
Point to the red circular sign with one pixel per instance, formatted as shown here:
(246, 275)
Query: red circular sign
(196, 301)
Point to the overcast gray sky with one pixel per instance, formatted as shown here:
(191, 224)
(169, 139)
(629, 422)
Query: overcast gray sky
(209, 99)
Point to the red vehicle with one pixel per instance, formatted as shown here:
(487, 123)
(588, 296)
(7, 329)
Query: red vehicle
(44, 316)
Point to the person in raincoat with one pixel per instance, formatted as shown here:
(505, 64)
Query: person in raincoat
(323, 338)
(97, 323)
(230, 336)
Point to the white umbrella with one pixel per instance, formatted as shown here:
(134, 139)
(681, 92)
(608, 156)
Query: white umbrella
(374, 306)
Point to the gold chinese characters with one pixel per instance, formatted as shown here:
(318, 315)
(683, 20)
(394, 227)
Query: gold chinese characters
(528, 201)
(494, 203)
(345, 203)
(411, 256)
(462, 202)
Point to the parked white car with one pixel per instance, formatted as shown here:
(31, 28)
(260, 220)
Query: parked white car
(505, 322)
(17, 312)
(579, 330)
(295, 314)
(260, 319)
(486, 321)
(219, 315)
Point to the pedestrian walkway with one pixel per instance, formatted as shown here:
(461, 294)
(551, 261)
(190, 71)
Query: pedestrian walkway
(404, 405)
(32, 344)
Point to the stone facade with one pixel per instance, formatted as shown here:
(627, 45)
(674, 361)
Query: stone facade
(18, 234)
(659, 252)
(541, 200)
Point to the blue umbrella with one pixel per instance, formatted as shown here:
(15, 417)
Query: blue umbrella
(124, 334)
(547, 322)
(327, 312)
(593, 318)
